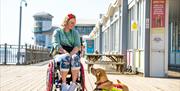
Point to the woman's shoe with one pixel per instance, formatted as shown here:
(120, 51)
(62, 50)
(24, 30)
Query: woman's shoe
(64, 87)
(72, 87)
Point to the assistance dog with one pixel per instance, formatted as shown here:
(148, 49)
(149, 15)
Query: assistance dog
(103, 84)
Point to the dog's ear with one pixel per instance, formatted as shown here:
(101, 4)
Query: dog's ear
(98, 73)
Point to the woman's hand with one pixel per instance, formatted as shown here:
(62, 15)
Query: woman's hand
(74, 51)
(62, 51)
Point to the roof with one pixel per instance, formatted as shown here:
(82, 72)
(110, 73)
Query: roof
(86, 22)
(43, 15)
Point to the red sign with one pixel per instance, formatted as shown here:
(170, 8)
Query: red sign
(158, 13)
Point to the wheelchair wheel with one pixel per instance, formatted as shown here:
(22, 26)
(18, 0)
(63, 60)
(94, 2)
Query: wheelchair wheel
(49, 81)
(82, 78)
(81, 81)
(50, 77)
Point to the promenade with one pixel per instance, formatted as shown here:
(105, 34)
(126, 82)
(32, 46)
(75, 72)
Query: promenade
(33, 78)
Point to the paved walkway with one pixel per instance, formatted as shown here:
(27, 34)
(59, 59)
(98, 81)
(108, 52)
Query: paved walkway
(137, 82)
(33, 78)
(23, 78)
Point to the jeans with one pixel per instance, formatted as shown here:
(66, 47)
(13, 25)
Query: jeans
(66, 61)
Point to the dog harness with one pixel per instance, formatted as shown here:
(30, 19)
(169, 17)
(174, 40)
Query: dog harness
(113, 89)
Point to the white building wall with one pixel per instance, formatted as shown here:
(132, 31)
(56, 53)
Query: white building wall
(46, 25)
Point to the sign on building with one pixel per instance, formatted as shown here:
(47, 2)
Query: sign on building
(134, 26)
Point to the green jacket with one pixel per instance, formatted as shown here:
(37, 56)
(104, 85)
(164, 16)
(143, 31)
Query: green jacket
(60, 37)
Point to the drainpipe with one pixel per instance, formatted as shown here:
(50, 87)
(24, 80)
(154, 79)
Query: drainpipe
(100, 34)
(147, 40)
(124, 25)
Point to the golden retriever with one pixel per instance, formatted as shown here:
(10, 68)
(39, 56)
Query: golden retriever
(103, 84)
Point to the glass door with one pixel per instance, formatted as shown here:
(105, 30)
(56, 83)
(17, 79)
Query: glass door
(174, 33)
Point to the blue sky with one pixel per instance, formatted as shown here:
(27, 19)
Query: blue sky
(9, 15)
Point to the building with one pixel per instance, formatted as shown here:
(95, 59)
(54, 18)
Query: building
(43, 28)
(85, 26)
(147, 31)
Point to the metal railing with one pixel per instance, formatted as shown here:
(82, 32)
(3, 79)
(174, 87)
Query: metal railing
(29, 54)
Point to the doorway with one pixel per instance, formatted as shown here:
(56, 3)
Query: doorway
(174, 37)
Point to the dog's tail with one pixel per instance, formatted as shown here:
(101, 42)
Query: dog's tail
(124, 87)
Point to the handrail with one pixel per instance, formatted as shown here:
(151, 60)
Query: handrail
(28, 54)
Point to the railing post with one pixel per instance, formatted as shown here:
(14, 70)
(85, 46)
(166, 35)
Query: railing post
(5, 53)
(25, 58)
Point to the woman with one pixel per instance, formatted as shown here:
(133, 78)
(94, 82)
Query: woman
(67, 42)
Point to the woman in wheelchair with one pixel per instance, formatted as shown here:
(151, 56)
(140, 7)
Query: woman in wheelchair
(67, 43)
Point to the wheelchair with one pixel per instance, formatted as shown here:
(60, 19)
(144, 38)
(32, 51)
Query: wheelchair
(53, 77)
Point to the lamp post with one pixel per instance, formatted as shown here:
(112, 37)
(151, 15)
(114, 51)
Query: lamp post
(20, 19)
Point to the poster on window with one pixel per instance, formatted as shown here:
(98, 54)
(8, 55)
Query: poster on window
(134, 25)
(158, 24)
(90, 46)
(158, 13)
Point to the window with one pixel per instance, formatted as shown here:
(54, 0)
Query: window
(108, 40)
(38, 27)
(111, 40)
(114, 34)
(141, 24)
(136, 38)
(117, 36)
(130, 33)
(103, 42)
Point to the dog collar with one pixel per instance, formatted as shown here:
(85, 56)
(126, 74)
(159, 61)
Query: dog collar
(98, 89)
(102, 83)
